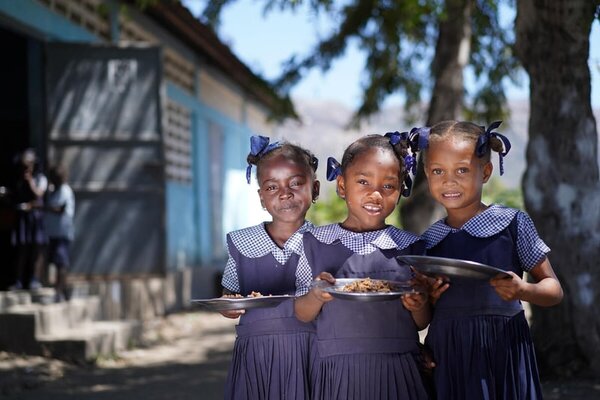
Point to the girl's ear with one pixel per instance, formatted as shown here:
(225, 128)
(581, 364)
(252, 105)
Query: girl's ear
(316, 190)
(341, 187)
(488, 168)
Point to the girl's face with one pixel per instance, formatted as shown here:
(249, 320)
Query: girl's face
(371, 187)
(286, 189)
(456, 175)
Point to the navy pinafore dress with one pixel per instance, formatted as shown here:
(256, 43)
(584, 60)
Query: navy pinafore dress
(271, 353)
(481, 344)
(365, 350)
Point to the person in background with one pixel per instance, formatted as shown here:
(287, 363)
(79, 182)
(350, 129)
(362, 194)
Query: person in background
(28, 235)
(365, 350)
(60, 210)
(479, 336)
(271, 351)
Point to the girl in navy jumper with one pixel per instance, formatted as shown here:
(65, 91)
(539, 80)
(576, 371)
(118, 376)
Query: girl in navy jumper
(271, 351)
(364, 350)
(479, 336)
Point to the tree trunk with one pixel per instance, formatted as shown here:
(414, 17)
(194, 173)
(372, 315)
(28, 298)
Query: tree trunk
(560, 185)
(452, 52)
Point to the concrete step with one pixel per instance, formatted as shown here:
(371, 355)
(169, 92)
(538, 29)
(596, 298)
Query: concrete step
(91, 340)
(49, 318)
(12, 298)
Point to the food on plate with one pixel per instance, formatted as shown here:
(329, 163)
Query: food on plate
(239, 296)
(367, 285)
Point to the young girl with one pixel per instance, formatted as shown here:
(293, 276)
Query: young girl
(479, 336)
(271, 352)
(366, 350)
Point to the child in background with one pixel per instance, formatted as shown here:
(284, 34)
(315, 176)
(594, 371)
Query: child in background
(60, 209)
(366, 350)
(479, 336)
(29, 235)
(271, 351)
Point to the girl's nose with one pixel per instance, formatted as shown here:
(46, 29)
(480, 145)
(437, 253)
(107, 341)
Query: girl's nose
(376, 195)
(286, 193)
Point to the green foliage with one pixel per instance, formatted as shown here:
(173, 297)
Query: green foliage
(398, 40)
(496, 192)
(327, 210)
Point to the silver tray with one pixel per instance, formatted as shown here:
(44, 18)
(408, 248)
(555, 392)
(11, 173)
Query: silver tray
(451, 267)
(399, 289)
(241, 303)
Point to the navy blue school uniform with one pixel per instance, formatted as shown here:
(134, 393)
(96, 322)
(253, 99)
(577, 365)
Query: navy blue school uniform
(271, 352)
(481, 344)
(365, 350)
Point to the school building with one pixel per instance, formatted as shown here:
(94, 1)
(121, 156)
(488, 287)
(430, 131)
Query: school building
(151, 114)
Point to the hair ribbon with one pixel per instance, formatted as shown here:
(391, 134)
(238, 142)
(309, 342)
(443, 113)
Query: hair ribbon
(259, 146)
(334, 169)
(483, 143)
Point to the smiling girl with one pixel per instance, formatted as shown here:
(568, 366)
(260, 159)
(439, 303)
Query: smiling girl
(366, 350)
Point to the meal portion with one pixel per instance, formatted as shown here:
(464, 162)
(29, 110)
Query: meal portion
(367, 285)
(239, 296)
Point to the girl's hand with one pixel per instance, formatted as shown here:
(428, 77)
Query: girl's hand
(317, 292)
(545, 290)
(434, 286)
(509, 288)
(414, 301)
(233, 314)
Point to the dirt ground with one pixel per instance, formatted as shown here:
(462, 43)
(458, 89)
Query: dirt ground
(184, 356)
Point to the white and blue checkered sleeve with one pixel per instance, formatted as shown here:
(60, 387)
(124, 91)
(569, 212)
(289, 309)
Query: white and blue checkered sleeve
(303, 276)
(230, 278)
(530, 247)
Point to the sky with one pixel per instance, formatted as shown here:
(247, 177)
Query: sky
(264, 42)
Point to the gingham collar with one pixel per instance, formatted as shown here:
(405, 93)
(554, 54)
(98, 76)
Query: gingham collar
(387, 238)
(261, 244)
(493, 220)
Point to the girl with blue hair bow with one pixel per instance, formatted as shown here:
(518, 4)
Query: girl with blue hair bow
(365, 350)
(479, 335)
(271, 350)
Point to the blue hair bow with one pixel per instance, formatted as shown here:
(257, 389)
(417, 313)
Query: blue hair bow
(419, 138)
(483, 143)
(259, 146)
(334, 169)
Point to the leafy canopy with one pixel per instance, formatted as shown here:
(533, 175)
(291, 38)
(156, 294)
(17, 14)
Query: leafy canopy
(398, 39)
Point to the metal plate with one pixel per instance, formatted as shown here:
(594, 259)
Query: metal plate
(398, 289)
(241, 303)
(451, 267)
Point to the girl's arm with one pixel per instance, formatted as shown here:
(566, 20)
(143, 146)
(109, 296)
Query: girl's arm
(419, 308)
(546, 291)
(307, 307)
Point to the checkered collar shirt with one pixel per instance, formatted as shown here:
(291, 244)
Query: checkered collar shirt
(493, 220)
(365, 242)
(255, 242)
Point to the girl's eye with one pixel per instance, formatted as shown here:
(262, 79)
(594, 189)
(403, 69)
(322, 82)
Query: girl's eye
(389, 187)
(270, 188)
(463, 170)
(436, 171)
(362, 182)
